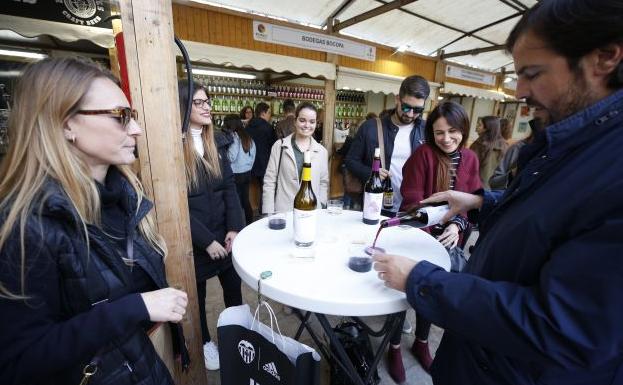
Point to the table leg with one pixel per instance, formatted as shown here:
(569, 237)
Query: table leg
(303, 325)
(343, 358)
(394, 321)
(312, 334)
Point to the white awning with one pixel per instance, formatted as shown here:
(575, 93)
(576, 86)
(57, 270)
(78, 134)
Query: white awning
(63, 31)
(243, 58)
(359, 80)
(458, 89)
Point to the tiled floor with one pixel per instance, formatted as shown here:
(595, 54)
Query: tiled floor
(289, 325)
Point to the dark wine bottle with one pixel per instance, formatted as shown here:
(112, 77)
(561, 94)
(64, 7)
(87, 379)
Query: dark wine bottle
(418, 216)
(388, 194)
(305, 205)
(373, 193)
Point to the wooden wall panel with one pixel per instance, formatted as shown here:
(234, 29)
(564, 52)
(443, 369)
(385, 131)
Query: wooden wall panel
(207, 26)
(398, 64)
(213, 27)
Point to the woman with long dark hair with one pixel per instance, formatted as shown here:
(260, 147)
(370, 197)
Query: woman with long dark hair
(241, 154)
(489, 147)
(215, 213)
(442, 163)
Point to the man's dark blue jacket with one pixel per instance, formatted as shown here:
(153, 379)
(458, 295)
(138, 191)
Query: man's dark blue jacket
(541, 298)
(361, 153)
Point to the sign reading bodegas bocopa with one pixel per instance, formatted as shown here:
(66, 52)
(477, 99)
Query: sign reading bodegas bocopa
(89, 13)
(278, 34)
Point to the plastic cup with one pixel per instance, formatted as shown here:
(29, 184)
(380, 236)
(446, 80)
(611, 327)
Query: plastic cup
(277, 221)
(335, 206)
(358, 259)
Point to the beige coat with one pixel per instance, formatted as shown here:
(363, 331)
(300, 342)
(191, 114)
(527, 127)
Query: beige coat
(289, 181)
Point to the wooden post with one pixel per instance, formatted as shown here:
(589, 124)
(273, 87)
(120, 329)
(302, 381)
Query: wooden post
(150, 53)
(329, 111)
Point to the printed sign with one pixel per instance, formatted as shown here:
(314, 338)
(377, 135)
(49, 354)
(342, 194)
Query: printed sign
(470, 75)
(277, 34)
(91, 13)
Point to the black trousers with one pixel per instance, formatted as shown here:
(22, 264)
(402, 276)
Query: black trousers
(242, 187)
(232, 296)
(422, 328)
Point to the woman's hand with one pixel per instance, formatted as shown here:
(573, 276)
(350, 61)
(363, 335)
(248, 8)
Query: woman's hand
(450, 236)
(216, 251)
(229, 240)
(165, 305)
(459, 202)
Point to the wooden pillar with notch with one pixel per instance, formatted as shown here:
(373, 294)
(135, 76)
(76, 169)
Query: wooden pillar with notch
(329, 123)
(150, 53)
(440, 77)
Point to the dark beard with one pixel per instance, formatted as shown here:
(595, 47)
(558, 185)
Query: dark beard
(578, 97)
(402, 118)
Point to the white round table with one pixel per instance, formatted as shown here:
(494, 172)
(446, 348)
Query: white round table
(319, 280)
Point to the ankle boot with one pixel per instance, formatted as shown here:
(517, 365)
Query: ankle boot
(422, 354)
(394, 365)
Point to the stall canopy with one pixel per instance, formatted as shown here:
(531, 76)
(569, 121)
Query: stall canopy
(102, 37)
(354, 79)
(261, 61)
(458, 89)
(66, 21)
(424, 26)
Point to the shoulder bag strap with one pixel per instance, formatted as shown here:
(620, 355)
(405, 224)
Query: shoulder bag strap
(278, 168)
(379, 134)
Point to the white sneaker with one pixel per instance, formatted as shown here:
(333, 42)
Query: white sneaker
(210, 356)
(406, 327)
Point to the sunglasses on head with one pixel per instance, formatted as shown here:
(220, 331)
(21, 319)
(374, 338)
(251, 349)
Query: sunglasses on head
(123, 114)
(201, 102)
(406, 108)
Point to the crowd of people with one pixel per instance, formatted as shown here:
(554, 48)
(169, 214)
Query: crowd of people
(82, 275)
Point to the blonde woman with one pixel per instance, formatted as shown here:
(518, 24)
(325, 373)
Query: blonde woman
(81, 264)
(216, 215)
(283, 173)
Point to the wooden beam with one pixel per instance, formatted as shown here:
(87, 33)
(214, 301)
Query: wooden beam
(473, 31)
(372, 13)
(436, 22)
(150, 54)
(341, 8)
(476, 51)
(512, 5)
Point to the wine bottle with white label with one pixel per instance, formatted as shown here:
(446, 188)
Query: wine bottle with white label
(305, 208)
(418, 216)
(373, 192)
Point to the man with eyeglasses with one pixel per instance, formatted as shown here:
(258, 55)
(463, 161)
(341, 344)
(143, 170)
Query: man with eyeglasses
(403, 132)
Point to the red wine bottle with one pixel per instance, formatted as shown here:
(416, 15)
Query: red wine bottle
(419, 216)
(373, 192)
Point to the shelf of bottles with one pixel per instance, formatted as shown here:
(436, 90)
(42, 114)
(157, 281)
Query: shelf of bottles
(231, 95)
(350, 105)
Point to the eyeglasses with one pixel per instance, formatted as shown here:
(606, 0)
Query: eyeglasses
(124, 114)
(406, 108)
(202, 102)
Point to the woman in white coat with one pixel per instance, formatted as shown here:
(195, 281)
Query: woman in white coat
(283, 174)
